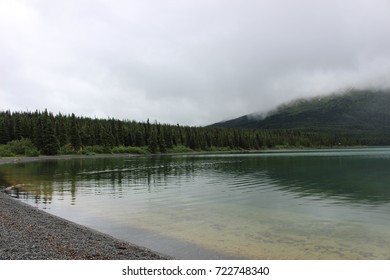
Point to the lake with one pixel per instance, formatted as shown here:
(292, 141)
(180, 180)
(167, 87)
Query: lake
(309, 204)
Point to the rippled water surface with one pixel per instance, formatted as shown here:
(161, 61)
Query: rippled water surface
(318, 204)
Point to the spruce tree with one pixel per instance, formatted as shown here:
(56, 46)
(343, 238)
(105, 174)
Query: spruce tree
(75, 139)
(50, 144)
(4, 136)
(153, 142)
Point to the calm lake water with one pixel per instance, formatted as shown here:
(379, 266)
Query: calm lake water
(317, 204)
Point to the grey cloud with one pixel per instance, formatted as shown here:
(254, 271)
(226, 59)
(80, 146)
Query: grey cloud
(188, 62)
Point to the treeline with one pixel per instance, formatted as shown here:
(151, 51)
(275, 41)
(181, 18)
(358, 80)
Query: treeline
(48, 134)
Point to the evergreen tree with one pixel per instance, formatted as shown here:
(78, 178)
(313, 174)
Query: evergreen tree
(139, 138)
(50, 144)
(4, 135)
(161, 143)
(61, 132)
(153, 142)
(75, 139)
(108, 138)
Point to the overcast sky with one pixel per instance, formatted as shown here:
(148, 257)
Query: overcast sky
(192, 62)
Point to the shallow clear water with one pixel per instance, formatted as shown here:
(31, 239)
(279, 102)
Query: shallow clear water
(317, 204)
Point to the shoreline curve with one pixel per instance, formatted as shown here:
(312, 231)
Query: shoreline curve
(28, 233)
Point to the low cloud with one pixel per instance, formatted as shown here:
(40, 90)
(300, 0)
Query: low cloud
(187, 62)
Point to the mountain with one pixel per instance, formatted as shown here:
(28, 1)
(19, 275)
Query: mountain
(359, 114)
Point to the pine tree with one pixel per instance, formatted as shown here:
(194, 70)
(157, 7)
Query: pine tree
(50, 144)
(139, 138)
(4, 136)
(153, 142)
(75, 139)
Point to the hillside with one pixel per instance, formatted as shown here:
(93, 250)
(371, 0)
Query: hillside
(358, 114)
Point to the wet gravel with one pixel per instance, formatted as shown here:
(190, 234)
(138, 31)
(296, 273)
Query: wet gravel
(27, 233)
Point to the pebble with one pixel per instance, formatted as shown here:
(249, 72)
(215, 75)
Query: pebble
(27, 233)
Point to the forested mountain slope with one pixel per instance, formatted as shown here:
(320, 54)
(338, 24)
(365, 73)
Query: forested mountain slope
(357, 114)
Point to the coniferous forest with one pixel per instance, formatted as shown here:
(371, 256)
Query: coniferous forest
(43, 133)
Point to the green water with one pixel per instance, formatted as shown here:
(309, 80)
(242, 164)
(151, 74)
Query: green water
(317, 204)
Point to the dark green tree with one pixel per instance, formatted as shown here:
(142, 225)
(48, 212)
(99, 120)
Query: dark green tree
(75, 139)
(4, 135)
(50, 143)
(153, 145)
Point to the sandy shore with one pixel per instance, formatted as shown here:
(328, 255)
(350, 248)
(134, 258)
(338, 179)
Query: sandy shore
(27, 233)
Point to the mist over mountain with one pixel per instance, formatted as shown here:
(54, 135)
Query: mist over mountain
(359, 114)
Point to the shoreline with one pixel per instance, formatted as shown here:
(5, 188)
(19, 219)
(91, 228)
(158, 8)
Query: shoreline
(28, 233)
(24, 159)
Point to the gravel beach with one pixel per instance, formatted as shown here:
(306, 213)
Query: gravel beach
(27, 233)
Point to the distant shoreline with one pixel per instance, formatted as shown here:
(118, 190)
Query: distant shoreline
(24, 159)
(11, 160)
